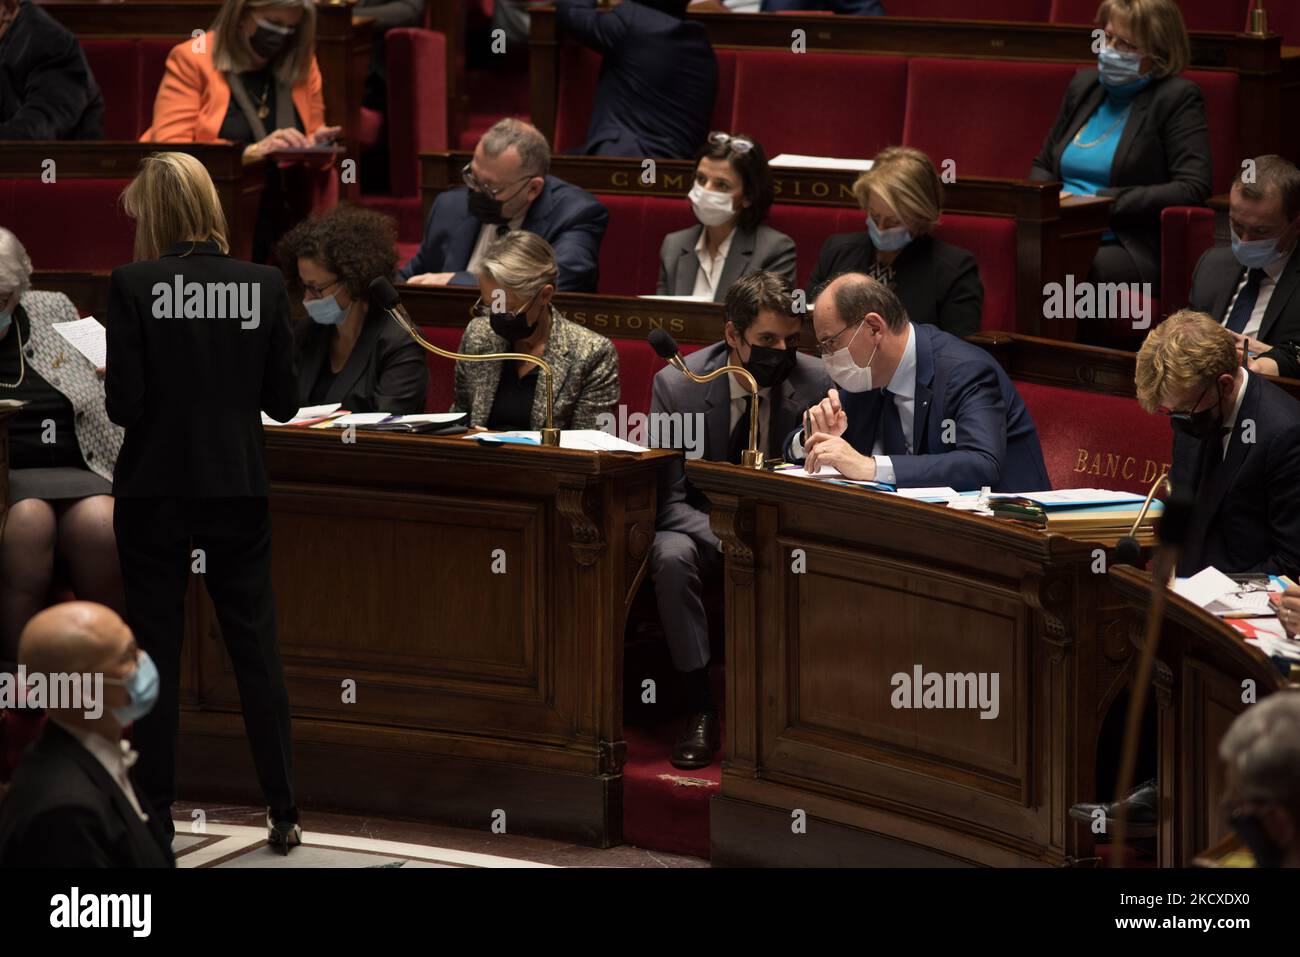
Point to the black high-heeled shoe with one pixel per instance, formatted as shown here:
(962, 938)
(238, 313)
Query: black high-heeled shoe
(282, 835)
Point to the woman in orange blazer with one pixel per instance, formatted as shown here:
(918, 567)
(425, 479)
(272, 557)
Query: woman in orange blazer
(252, 79)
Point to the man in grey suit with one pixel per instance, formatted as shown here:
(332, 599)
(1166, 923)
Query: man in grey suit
(762, 334)
(1253, 286)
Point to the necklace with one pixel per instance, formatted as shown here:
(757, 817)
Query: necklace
(1104, 136)
(22, 366)
(264, 110)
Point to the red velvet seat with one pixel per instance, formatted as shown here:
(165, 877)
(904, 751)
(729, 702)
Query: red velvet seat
(1197, 14)
(1097, 441)
(1186, 232)
(1023, 10)
(115, 64)
(1219, 88)
(802, 103)
(951, 112)
(629, 253)
(41, 214)
(442, 383)
(1283, 18)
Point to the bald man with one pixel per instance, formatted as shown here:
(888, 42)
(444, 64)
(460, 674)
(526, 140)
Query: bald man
(71, 802)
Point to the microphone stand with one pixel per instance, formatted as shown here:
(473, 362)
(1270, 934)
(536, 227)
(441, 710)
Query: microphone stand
(550, 434)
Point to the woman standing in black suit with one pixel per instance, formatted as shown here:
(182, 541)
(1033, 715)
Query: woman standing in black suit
(347, 352)
(1135, 131)
(198, 346)
(938, 282)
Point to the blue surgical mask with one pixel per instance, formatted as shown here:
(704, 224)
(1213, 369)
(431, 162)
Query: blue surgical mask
(1120, 70)
(887, 240)
(1257, 253)
(325, 311)
(141, 688)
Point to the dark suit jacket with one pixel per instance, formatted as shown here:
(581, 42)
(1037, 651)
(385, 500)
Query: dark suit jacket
(657, 83)
(1248, 518)
(994, 442)
(860, 8)
(47, 91)
(939, 283)
(681, 507)
(570, 219)
(752, 250)
(385, 372)
(1215, 280)
(63, 809)
(1163, 159)
(189, 391)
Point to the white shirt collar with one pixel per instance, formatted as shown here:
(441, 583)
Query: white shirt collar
(702, 246)
(903, 383)
(1236, 406)
(116, 757)
(1273, 270)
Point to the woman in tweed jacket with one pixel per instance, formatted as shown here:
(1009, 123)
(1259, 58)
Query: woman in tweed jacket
(62, 449)
(514, 314)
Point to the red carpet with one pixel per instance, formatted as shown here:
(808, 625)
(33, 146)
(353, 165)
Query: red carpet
(665, 809)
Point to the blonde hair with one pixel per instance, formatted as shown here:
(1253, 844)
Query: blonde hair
(15, 266)
(232, 54)
(172, 199)
(1158, 29)
(907, 181)
(1188, 349)
(522, 262)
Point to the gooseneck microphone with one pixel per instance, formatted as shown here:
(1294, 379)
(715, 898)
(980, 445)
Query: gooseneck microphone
(1171, 535)
(386, 296)
(1128, 550)
(666, 347)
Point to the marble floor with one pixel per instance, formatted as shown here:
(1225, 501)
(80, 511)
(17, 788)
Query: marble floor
(234, 836)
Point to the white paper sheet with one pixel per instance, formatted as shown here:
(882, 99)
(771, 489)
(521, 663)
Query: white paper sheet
(305, 414)
(87, 337)
(1205, 586)
(583, 440)
(800, 161)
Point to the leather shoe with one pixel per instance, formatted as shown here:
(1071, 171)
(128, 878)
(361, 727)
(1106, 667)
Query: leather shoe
(1141, 807)
(698, 740)
(283, 834)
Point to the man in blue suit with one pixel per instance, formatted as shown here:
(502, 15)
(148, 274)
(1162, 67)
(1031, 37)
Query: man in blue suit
(657, 82)
(915, 405)
(507, 187)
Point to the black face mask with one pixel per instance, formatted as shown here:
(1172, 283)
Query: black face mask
(1206, 424)
(513, 326)
(267, 43)
(1252, 834)
(770, 367)
(486, 210)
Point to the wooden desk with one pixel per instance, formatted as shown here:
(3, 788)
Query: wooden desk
(1202, 668)
(342, 41)
(1053, 238)
(239, 184)
(1257, 61)
(474, 691)
(890, 584)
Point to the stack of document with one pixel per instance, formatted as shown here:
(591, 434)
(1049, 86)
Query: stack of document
(389, 422)
(585, 440)
(307, 415)
(1080, 512)
(801, 161)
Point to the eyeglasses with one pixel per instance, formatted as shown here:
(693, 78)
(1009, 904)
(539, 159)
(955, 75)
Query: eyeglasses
(318, 292)
(492, 191)
(1190, 412)
(1122, 46)
(480, 309)
(827, 346)
(738, 144)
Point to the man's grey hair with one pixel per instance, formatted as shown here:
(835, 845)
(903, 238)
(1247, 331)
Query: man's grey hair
(534, 151)
(1263, 747)
(15, 266)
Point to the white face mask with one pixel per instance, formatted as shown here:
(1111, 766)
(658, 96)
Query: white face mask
(711, 208)
(846, 373)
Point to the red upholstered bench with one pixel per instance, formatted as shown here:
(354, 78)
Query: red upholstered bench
(1229, 15)
(1023, 10)
(1092, 440)
(128, 71)
(948, 112)
(40, 214)
(820, 104)
(629, 253)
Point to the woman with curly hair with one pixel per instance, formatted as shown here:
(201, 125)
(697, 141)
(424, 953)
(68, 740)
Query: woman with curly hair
(346, 351)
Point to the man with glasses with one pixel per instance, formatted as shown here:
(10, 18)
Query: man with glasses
(1252, 287)
(72, 802)
(1236, 445)
(507, 187)
(761, 333)
(915, 406)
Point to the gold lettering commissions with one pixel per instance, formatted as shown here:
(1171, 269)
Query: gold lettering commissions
(618, 320)
(1112, 465)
